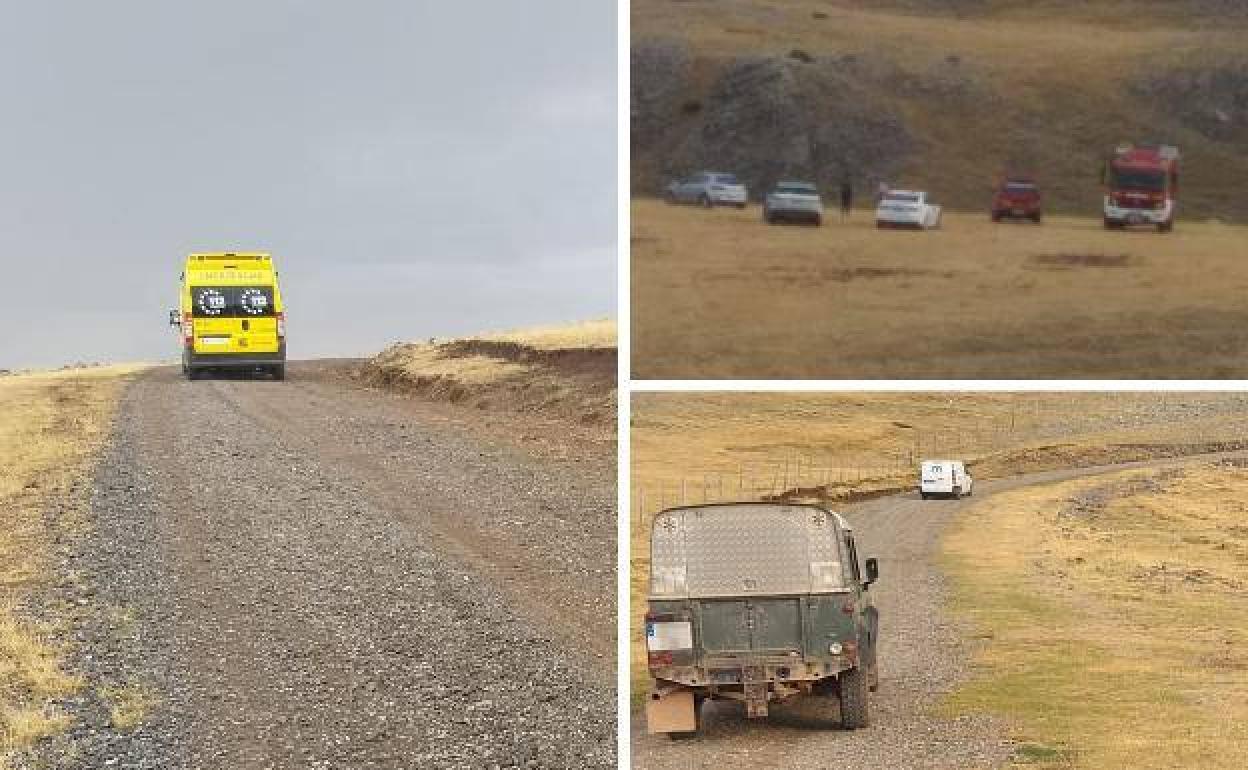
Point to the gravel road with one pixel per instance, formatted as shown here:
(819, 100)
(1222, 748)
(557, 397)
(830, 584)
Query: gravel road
(308, 574)
(922, 655)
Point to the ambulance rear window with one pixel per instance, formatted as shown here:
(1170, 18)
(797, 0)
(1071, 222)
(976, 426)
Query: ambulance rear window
(232, 301)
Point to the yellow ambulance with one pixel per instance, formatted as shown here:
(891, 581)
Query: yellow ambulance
(231, 315)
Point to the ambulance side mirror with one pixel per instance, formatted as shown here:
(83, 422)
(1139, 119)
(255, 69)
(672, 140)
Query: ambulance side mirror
(873, 572)
(174, 318)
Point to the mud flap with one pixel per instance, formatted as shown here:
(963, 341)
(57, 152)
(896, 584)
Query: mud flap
(670, 711)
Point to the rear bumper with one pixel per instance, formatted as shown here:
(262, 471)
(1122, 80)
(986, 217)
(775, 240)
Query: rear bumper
(795, 214)
(1132, 216)
(731, 676)
(727, 197)
(1016, 212)
(193, 360)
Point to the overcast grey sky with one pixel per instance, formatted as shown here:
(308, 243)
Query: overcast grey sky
(416, 168)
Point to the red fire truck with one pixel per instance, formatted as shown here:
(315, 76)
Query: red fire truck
(1141, 186)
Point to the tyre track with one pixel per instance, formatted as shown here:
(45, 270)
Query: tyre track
(517, 553)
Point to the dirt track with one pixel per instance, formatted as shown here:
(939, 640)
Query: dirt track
(310, 575)
(921, 656)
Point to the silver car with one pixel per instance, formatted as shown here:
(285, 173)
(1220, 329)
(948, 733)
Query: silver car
(793, 202)
(708, 188)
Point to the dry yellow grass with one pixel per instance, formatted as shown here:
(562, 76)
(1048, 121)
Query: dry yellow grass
(710, 441)
(1113, 633)
(51, 425)
(719, 294)
(1036, 41)
(597, 333)
(128, 704)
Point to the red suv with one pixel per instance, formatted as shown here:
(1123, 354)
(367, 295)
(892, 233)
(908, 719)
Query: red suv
(1016, 199)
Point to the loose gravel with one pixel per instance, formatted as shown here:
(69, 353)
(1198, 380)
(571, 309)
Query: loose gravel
(309, 575)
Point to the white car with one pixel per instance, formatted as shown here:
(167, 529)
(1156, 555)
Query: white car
(907, 208)
(793, 202)
(944, 478)
(707, 189)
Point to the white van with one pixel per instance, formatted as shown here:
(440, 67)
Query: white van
(944, 478)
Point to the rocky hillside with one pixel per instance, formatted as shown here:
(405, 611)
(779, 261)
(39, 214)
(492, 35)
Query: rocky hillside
(941, 95)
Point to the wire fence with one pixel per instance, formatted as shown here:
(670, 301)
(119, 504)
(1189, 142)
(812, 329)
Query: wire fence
(835, 474)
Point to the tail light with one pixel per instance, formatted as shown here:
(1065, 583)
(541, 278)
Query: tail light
(281, 324)
(188, 329)
(660, 659)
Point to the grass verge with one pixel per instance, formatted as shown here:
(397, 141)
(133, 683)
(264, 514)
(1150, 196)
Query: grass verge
(1111, 618)
(51, 426)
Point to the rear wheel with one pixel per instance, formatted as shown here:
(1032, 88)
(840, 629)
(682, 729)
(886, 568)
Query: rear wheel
(279, 372)
(996, 216)
(924, 495)
(705, 201)
(740, 205)
(1035, 218)
(818, 221)
(853, 691)
(1165, 227)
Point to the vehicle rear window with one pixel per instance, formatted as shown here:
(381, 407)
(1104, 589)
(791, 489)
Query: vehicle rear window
(1138, 179)
(902, 197)
(724, 179)
(796, 189)
(1020, 187)
(232, 301)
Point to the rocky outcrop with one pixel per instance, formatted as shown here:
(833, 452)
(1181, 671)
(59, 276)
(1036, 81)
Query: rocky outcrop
(818, 118)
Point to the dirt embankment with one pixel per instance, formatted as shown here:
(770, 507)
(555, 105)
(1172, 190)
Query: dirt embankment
(564, 373)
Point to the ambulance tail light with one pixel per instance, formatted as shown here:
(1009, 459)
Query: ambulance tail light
(188, 329)
(281, 325)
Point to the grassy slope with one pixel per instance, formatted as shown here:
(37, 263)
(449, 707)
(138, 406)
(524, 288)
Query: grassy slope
(1058, 70)
(566, 372)
(51, 426)
(971, 300)
(1112, 637)
(702, 437)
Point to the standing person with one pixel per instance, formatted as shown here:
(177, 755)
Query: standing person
(847, 199)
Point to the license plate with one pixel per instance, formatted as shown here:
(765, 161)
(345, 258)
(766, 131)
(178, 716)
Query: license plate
(214, 340)
(1135, 219)
(669, 636)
